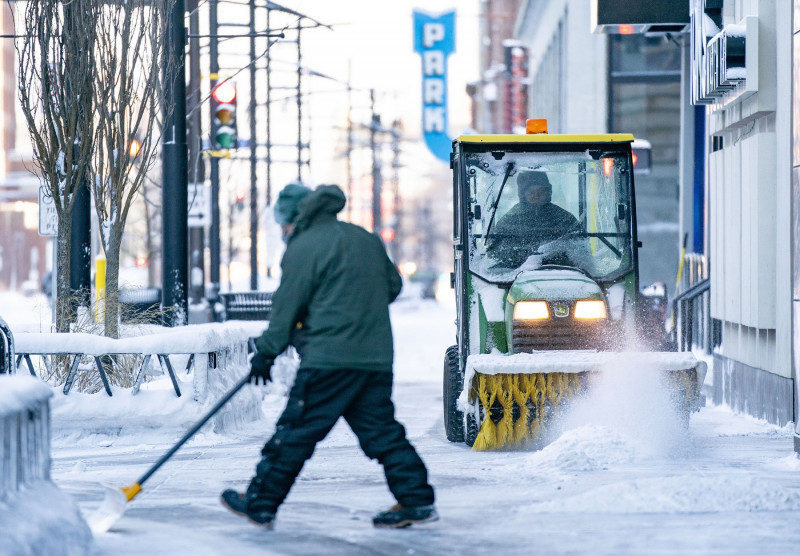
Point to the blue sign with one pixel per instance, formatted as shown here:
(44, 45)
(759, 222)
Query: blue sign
(434, 40)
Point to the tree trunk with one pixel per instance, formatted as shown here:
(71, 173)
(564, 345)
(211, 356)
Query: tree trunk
(112, 284)
(63, 295)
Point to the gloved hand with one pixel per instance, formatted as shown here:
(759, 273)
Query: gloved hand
(260, 366)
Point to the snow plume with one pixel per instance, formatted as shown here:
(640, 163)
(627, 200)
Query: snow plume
(634, 401)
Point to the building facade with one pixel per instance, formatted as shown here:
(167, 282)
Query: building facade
(742, 74)
(716, 90)
(24, 254)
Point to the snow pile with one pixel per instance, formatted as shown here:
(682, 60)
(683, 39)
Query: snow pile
(720, 422)
(678, 494)
(97, 419)
(789, 463)
(40, 519)
(586, 448)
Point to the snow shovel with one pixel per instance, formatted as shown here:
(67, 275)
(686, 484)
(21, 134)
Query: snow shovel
(113, 506)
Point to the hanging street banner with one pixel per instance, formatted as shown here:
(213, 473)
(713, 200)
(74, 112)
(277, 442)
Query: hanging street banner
(434, 40)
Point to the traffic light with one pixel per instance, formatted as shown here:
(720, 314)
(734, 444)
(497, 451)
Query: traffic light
(223, 128)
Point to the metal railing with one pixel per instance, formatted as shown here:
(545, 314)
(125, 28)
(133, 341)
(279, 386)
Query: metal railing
(694, 328)
(6, 348)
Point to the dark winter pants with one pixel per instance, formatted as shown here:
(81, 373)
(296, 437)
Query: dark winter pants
(317, 400)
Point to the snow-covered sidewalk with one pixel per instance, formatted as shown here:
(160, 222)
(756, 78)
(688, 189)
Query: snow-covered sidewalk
(622, 478)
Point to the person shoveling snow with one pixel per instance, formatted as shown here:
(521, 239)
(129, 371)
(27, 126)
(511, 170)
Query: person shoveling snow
(332, 305)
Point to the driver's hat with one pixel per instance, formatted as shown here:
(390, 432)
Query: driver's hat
(533, 178)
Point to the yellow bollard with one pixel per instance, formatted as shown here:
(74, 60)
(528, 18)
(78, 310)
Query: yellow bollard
(100, 289)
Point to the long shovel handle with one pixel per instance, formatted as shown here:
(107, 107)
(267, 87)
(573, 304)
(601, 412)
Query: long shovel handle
(113, 505)
(244, 380)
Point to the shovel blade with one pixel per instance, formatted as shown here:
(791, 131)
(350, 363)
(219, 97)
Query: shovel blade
(110, 511)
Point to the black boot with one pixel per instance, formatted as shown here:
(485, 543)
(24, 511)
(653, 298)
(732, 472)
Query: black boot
(237, 503)
(398, 516)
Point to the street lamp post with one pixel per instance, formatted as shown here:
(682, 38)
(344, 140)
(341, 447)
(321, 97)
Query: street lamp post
(175, 257)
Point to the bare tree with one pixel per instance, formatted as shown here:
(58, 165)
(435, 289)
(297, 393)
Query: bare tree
(132, 52)
(56, 78)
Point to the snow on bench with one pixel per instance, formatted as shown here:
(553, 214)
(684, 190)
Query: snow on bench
(208, 346)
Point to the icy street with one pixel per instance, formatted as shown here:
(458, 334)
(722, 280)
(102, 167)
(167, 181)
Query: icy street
(623, 478)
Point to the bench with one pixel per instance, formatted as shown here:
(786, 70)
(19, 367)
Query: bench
(247, 305)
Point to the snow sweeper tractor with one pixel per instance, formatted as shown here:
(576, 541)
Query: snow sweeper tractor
(547, 286)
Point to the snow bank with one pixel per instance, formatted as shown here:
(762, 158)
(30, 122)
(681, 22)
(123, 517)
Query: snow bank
(41, 519)
(31, 507)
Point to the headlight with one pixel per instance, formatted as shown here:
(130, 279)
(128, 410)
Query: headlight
(590, 309)
(531, 310)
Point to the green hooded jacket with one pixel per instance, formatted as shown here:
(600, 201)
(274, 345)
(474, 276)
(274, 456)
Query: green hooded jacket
(332, 303)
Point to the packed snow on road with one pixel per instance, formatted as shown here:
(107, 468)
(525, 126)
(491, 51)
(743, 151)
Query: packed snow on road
(621, 477)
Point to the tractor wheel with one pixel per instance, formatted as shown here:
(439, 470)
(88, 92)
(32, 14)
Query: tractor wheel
(471, 427)
(453, 383)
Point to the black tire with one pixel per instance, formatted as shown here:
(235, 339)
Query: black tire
(451, 389)
(471, 429)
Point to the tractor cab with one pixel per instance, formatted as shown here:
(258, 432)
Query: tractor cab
(546, 282)
(534, 208)
(547, 219)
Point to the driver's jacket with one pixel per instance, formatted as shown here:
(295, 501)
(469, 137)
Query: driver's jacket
(524, 228)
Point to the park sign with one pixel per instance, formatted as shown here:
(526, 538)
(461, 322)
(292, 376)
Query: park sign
(434, 40)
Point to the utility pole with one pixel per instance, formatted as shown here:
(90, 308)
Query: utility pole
(349, 144)
(213, 232)
(377, 223)
(253, 162)
(299, 104)
(269, 130)
(397, 128)
(80, 251)
(175, 259)
(196, 164)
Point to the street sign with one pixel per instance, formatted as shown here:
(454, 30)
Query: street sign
(199, 199)
(48, 218)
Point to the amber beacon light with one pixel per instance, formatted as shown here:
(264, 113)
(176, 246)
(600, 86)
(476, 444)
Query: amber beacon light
(535, 125)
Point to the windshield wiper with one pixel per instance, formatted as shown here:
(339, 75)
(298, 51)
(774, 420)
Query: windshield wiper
(493, 208)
